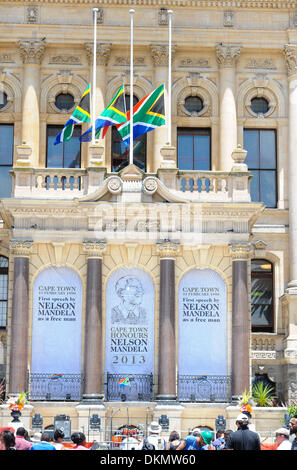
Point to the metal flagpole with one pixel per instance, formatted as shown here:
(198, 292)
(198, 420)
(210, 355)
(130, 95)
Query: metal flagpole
(131, 88)
(95, 11)
(169, 79)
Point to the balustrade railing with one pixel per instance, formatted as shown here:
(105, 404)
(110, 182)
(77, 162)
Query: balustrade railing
(210, 388)
(140, 387)
(55, 387)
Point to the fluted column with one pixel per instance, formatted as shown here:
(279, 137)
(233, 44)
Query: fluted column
(227, 57)
(291, 59)
(160, 56)
(167, 327)
(240, 319)
(20, 317)
(93, 384)
(31, 51)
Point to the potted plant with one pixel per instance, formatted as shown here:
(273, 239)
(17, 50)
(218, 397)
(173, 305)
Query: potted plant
(292, 409)
(15, 405)
(263, 394)
(245, 404)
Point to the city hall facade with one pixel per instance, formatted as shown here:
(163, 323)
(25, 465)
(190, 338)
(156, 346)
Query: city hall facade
(169, 284)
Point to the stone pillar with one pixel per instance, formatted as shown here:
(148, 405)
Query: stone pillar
(20, 317)
(240, 319)
(31, 51)
(164, 154)
(97, 157)
(227, 57)
(93, 372)
(167, 344)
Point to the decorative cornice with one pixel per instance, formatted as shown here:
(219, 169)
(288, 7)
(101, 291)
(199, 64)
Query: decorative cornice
(240, 251)
(290, 52)
(168, 249)
(227, 55)
(94, 248)
(102, 53)
(32, 51)
(19, 247)
(160, 54)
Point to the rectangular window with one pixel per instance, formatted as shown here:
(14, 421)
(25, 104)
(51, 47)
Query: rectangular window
(6, 158)
(120, 152)
(3, 291)
(262, 296)
(66, 154)
(193, 149)
(261, 160)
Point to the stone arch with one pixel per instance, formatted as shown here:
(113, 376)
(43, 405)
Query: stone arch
(261, 88)
(12, 87)
(195, 86)
(63, 82)
(141, 86)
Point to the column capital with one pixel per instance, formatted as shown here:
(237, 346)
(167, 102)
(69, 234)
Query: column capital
(160, 54)
(290, 53)
(20, 247)
(227, 55)
(103, 51)
(168, 249)
(240, 251)
(32, 51)
(94, 248)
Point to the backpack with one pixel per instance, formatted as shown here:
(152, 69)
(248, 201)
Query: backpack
(147, 445)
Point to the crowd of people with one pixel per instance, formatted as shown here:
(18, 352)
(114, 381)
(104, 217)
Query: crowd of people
(198, 439)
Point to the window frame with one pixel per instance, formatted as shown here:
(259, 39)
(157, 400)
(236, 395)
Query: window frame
(190, 132)
(5, 165)
(63, 143)
(259, 130)
(264, 275)
(5, 271)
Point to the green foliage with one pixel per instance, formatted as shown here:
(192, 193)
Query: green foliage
(262, 394)
(292, 409)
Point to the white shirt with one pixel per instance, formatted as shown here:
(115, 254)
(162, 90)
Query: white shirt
(285, 445)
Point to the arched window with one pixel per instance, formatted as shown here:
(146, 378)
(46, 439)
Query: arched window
(3, 99)
(64, 101)
(262, 308)
(194, 104)
(3, 291)
(120, 152)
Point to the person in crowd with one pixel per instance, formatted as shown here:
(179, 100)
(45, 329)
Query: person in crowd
(227, 433)
(194, 441)
(282, 438)
(154, 441)
(206, 440)
(8, 440)
(219, 442)
(293, 430)
(243, 438)
(58, 439)
(21, 442)
(79, 439)
(44, 443)
(174, 441)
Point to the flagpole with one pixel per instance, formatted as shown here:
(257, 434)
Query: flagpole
(131, 87)
(169, 77)
(95, 12)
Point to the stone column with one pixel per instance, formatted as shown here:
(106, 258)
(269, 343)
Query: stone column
(164, 154)
(93, 384)
(97, 155)
(240, 319)
(20, 317)
(227, 57)
(167, 344)
(31, 51)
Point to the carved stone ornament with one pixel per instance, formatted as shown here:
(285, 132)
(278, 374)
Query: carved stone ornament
(290, 52)
(160, 55)
(228, 18)
(150, 185)
(168, 249)
(32, 14)
(227, 56)
(32, 51)
(114, 185)
(19, 247)
(102, 53)
(94, 248)
(126, 61)
(240, 251)
(163, 17)
(193, 62)
(65, 59)
(100, 16)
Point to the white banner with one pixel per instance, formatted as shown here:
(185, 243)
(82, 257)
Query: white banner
(129, 322)
(202, 324)
(56, 334)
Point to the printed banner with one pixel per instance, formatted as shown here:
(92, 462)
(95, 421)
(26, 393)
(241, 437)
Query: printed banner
(202, 324)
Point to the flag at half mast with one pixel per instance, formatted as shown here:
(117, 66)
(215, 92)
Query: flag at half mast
(114, 113)
(148, 114)
(79, 115)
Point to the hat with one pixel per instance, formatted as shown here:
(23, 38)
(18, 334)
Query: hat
(154, 428)
(196, 430)
(283, 431)
(206, 436)
(242, 417)
(36, 437)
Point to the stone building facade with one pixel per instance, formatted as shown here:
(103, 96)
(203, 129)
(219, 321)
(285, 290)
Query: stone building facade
(218, 200)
